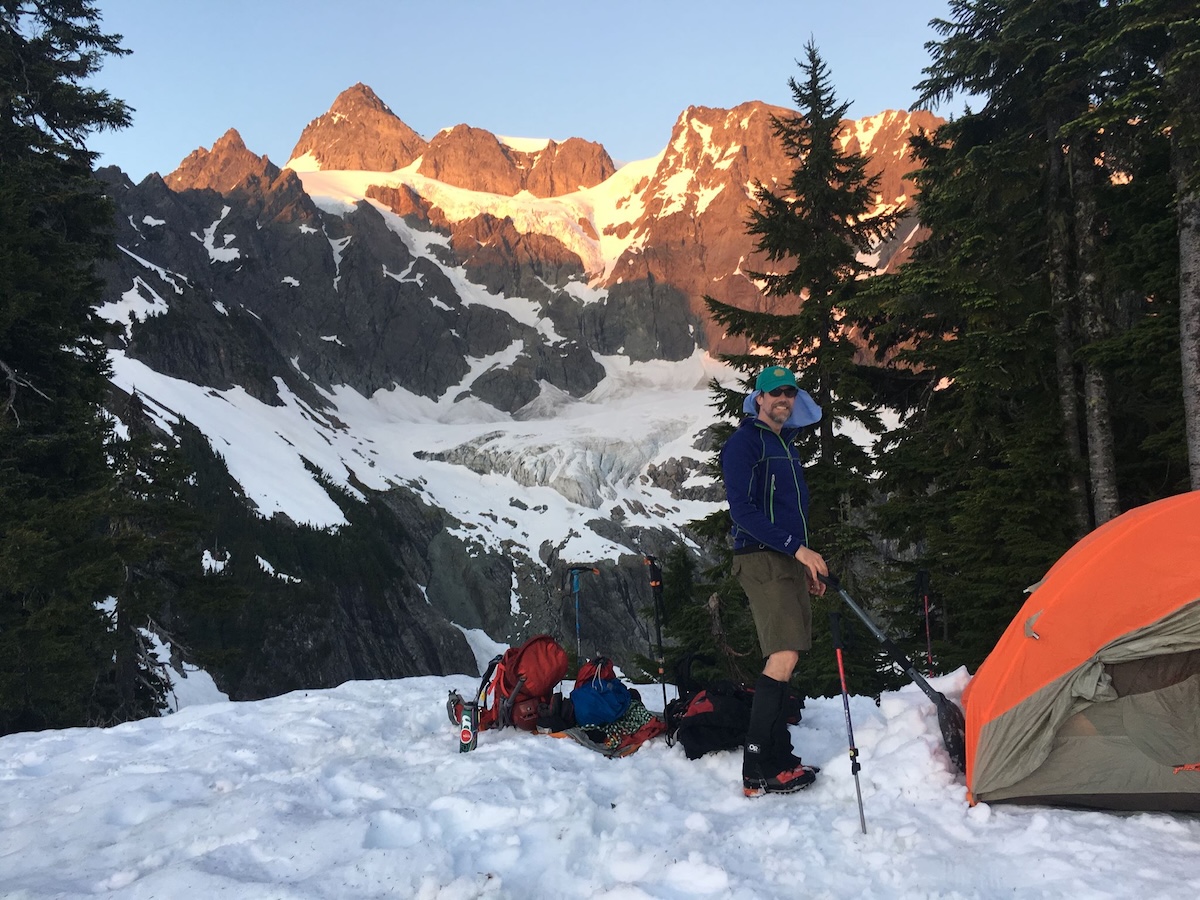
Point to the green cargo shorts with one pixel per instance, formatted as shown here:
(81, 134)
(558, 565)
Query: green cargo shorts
(777, 587)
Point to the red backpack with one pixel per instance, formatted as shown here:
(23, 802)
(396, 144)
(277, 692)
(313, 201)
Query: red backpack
(520, 680)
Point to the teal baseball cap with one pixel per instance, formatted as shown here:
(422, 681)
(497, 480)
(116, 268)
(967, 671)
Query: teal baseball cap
(773, 377)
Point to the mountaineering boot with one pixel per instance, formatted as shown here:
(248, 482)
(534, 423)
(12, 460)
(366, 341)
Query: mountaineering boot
(786, 782)
(762, 771)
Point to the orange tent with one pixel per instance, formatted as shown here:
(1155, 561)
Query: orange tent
(1092, 695)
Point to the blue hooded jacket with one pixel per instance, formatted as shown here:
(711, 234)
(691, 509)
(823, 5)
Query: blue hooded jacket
(765, 487)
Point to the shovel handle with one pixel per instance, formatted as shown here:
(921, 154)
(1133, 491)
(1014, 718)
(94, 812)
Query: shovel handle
(890, 647)
(950, 717)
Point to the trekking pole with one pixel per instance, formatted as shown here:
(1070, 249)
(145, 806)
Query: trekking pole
(575, 570)
(835, 628)
(656, 593)
(923, 593)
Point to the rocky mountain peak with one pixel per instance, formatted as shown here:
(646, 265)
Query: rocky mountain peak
(477, 160)
(471, 158)
(222, 168)
(358, 98)
(567, 167)
(703, 185)
(359, 132)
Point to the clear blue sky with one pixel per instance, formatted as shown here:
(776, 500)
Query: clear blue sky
(618, 72)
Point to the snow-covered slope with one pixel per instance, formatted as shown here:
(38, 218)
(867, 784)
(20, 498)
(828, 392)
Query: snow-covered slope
(361, 792)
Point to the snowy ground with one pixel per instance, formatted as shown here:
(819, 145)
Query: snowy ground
(360, 791)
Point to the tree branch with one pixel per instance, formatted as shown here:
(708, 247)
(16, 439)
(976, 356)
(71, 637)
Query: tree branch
(15, 382)
(11, 377)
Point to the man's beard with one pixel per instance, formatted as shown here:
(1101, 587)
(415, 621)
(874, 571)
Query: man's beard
(779, 412)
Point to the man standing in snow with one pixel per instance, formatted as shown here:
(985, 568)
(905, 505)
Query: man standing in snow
(768, 501)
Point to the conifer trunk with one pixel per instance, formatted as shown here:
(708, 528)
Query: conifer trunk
(1064, 333)
(1188, 210)
(1102, 462)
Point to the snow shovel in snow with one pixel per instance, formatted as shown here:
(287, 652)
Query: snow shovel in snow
(950, 717)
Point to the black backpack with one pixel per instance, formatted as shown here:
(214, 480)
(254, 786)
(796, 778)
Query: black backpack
(714, 716)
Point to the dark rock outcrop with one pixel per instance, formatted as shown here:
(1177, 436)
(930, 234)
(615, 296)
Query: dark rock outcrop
(506, 261)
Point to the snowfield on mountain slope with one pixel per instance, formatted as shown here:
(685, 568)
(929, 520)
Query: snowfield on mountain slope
(617, 201)
(568, 461)
(360, 792)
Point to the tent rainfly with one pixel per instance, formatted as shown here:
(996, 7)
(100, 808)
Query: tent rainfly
(1091, 697)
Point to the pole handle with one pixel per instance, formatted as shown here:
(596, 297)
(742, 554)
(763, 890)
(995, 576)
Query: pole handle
(835, 629)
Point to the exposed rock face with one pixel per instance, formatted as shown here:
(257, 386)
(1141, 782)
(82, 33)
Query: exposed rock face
(222, 168)
(503, 260)
(470, 158)
(404, 201)
(477, 160)
(564, 168)
(359, 132)
(691, 234)
(884, 138)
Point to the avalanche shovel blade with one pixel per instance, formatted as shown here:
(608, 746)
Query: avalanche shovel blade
(954, 730)
(951, 721)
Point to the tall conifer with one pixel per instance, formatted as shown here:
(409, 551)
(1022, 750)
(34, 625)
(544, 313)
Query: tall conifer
(1042, 281)
(57, 565)
(816, 231)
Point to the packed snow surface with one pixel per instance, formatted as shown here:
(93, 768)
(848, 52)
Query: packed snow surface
(360, 792)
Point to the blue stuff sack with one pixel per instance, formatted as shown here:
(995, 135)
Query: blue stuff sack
(599, 698)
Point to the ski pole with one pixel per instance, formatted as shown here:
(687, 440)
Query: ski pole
(835, 628)
(656, 593)
(575, 570)
(923, 593)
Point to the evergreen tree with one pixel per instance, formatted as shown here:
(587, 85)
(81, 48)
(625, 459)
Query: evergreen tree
(820, 227)
(1042, 281)
(155, 531)
(1027, 57)
(57, 564)
(816, 231)
(1148, 55)
(975, 475)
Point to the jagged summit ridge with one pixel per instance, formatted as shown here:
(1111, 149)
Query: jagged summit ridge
(359, 132)
(222, 168)
(690, 232)
(477, 160)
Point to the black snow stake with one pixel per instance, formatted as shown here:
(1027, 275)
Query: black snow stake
(950, 718)
(835, 629)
